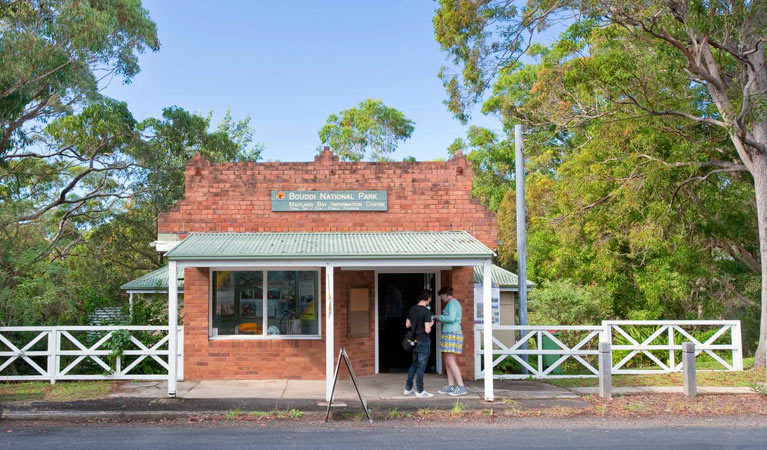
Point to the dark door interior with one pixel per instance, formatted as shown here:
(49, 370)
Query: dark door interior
(397, 292)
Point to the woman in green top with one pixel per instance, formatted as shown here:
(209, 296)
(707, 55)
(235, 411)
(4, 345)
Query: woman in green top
(451, 343)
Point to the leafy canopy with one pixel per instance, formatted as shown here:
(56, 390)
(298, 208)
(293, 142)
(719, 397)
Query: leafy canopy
(371, 129)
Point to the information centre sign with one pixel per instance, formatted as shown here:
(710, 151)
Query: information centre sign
(329, 201)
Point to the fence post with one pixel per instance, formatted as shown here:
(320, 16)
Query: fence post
(52, 355)
(605, 370)
(737, 343)
(688, 369)
(477, 353)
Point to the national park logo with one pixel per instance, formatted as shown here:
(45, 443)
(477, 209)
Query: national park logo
(280, 195)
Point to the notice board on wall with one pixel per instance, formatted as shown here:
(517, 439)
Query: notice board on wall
(359, 312)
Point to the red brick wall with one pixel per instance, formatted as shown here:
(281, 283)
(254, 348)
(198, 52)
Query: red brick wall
(423, 196)
(361, 350)
(235, 197)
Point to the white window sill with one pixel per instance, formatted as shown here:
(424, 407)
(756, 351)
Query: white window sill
(245, 337)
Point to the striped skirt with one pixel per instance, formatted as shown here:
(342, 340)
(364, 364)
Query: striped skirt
(451, 343)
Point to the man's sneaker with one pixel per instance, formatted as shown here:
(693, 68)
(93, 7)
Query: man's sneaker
(423, 394)
(446, 390)
(408, 392)
(458, 390)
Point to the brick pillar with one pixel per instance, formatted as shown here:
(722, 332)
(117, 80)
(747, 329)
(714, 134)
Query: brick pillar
(196, 286)
(462, 279)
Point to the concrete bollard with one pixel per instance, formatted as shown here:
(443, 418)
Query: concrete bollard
(688, 369)
(605, 370)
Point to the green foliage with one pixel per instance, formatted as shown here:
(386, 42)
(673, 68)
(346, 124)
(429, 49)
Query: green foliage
(371, 129)
(81, 181)
(458, 408)
(564, 302)
(493, 160)
(117, 344)
(759, 388)
(169, 142)
(54, 52)
(620, 192)
(233, 414)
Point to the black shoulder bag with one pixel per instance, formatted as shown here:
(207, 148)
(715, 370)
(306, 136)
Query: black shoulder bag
(408, 342)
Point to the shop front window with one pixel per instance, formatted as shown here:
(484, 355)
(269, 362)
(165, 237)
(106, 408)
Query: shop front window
(291, 306)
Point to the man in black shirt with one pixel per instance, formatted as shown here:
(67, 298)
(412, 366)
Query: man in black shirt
(419, 317)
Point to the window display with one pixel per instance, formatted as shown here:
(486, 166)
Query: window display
(283, 305)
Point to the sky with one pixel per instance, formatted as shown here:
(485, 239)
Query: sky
(290, 64)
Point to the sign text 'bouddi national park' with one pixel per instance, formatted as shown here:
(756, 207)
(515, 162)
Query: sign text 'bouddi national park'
(329, 201)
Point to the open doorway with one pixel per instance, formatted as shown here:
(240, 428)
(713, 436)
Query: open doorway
(397, 292)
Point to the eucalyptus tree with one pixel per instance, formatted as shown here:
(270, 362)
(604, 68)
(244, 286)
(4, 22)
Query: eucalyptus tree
(684, 61)
(371, 129)
(53, 56)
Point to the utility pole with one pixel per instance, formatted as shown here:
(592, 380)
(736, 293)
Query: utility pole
(519, 162)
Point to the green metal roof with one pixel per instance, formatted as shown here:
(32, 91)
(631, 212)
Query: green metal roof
(157, 280)
(335, 245)
(500, 276)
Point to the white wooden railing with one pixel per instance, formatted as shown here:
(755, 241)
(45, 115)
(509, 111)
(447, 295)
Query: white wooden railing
(64, 353)
(668, 339)
(587, 338)
(655, 354)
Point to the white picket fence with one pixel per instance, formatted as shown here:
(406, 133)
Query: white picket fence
(64, 353)
(666, 337)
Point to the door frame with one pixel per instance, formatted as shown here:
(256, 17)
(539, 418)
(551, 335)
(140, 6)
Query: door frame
(437, 306)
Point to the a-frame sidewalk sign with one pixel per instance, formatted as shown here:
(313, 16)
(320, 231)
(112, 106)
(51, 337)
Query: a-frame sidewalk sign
(342, 355)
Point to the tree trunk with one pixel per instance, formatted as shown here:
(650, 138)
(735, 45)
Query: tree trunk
(759, 172)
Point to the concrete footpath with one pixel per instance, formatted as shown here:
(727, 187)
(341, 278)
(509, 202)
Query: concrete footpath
(149, 401)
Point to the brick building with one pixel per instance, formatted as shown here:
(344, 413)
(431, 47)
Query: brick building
(260, 243)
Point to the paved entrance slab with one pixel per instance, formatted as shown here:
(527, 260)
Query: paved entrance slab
(378, 387)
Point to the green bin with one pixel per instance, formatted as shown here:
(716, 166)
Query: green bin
(549, 360)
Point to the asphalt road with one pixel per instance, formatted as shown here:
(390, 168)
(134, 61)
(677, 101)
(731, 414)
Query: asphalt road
(189, 438)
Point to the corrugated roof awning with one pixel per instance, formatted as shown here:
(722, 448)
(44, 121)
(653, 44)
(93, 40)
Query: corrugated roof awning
(154, 281)
(157, 281)
(330, 246)
(500, 276)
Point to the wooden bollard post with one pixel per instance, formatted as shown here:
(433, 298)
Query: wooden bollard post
(688, 369)
(605, 370)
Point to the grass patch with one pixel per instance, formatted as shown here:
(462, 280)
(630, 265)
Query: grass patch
(509, 401)
(633, 407)
(260, 415)
(63, 391)
(233, 414)
(353, 415)
(294, 414)
(277, 414)
(745, 378)
(425, 412)
(458, 408)
(393, 413)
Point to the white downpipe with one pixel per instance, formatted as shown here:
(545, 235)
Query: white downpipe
(172, 328)
(487, 329)
(329, 331)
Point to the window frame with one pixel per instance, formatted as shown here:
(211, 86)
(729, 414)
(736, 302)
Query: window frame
(265, 284)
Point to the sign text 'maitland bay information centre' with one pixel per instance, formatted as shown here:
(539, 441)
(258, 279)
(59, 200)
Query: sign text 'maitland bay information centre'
(329, 201)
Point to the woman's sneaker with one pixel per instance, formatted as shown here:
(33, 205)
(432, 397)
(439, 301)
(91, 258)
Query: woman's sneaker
(446, 390)
(423, 394)
(458, 390)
